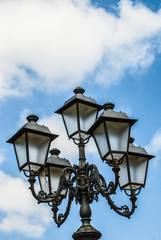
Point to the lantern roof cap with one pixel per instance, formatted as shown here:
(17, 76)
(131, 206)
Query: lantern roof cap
(109, 113)
(56, 161)
(79, 97)
(32, 127)
(134, 150)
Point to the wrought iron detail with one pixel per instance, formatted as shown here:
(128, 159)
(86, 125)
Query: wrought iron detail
(85, 183)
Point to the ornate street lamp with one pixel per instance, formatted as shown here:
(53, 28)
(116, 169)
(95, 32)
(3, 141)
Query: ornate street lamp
(83, 182)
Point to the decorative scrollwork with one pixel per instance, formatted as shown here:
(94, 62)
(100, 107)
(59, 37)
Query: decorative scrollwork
(88, 181)
(123, 210)
(59, 220)
(98, 183)
(63, 184)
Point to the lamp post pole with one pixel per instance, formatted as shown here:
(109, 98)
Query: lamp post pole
(58, 179)
(86, 231)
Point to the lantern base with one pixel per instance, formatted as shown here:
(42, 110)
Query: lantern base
(86, 232)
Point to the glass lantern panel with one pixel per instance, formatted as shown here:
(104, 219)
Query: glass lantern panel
(87, 115)
(20, 146)
(114, 156)
(118, 135)
(70, 118)
(138, 167)
(101, 141)
(55, 174)
(38, 146)
(123, 173)
(33, 167)
(133, 187)
(81, 135)
(43, 179)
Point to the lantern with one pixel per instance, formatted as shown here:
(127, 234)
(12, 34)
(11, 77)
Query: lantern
(111, 133)
(31, 144)
(79, 113)
(133, 169)
(49, 176)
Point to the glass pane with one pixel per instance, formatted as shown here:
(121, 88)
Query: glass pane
(43, 178)
(38, 147)
(134, 187)
(70, 117)
(32, 166)
(55, 174)
(20, 146)
(123, 173)
(118, 135)
(84, 136)
(115, 156)
(137, 169)
(100, 138)
(87, 116)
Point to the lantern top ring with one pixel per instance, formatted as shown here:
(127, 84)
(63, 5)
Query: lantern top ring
(78, 90)
(55, 151)
(32, 118)
(108, 106)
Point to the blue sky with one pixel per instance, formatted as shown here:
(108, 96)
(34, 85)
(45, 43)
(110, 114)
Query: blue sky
(113, 50)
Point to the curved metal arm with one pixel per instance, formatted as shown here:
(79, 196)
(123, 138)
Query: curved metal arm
(41, 196)
(98, 182)
(123, 210)
(60, 219)
(63, 184)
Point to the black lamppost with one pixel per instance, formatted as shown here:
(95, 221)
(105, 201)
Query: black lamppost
(83, 182)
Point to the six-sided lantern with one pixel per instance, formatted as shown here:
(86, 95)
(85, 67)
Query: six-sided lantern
(79, 114)
(50, 175)
(31, 144)
(111, 133)
(133, 169)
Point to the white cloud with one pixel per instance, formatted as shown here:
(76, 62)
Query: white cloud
(54, 44)
(2, 155)
(23, 117)
(22, 213)
(154, 147)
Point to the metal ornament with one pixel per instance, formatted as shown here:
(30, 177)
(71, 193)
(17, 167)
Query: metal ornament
(83, 183)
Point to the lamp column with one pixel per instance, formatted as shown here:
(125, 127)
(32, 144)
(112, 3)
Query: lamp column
(86, 231)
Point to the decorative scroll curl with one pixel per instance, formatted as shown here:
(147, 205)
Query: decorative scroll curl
(60, 218)
(87, 180)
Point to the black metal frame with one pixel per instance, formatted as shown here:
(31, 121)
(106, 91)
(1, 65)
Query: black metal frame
(148, 157)
(76, 100)
(34, 129)
(102, 120)
(79, 130)
(28, 162)
(85, 185)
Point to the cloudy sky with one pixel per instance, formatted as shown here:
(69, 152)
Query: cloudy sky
(113, 50)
